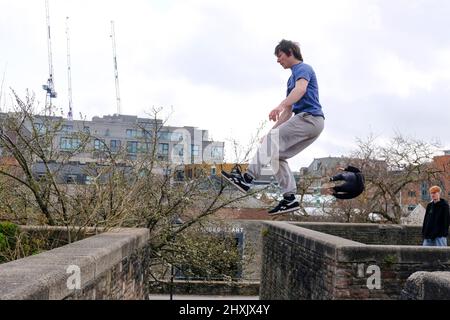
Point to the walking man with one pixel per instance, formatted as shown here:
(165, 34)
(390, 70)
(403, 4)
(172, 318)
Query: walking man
(436, 220)
(299, 120)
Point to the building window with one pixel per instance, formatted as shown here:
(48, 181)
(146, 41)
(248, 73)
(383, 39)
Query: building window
(412, 194)
(89, 180)
(178, 150)
(115, 145)
(69, 143)
(213, 171)
(144, 147)
(163, 149)
(217, 152)
(67, 128)
(132, 147)
(132, 133)
(144, 172)
(424, 191)
(165, 136)
(411, 207)
(176, 136)
(107, 133)
(317, 166)
(40, 128)
(146, 134)
(87, 130)
(41, 176)
(71, 178)
(99, 145)
(179, 175)
(195, 150)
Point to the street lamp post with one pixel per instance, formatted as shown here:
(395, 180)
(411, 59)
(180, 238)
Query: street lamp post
(171, 281)
(176, 222)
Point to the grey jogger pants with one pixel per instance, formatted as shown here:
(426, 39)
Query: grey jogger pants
(283, 143)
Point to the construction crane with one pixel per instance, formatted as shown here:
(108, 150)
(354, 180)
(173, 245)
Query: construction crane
(69, 73)
(116, 72)
(49, 87)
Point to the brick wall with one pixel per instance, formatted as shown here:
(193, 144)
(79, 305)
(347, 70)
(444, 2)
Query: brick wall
(298, 263)
(123, 281)
(301, 263)
(110, 265)
(377, 234)
(396, 264)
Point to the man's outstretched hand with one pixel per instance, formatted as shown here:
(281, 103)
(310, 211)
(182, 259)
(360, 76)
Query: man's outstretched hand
(275, 113)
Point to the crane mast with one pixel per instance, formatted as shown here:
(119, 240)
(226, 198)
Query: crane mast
(116, 72)
(69, 73)
(49, 87)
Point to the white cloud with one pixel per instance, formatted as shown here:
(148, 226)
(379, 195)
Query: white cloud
(400, 77)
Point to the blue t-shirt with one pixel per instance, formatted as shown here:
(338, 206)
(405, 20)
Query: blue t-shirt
(310, 101)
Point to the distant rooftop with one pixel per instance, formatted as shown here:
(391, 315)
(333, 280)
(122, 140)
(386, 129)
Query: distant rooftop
(122, 118)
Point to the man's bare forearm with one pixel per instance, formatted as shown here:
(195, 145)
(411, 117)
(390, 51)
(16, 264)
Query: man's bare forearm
(285, 116)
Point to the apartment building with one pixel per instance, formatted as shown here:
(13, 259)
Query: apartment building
(418, 193)
(132, 136)
(135, 136)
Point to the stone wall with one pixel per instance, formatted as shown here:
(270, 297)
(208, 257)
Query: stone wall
(210, 288)
(301, 263)
(377, 234)
(427, 286)
(110, 265)
(298, 263)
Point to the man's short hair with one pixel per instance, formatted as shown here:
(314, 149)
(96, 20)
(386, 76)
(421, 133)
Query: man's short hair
(435, 189)
(289, 47)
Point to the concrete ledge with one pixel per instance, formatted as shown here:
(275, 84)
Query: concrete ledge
(374, 234)
(427, 286)
(315, 240)
(45, 276)
(395, 254)
(291, 230)
(328, 225)
(220, 288)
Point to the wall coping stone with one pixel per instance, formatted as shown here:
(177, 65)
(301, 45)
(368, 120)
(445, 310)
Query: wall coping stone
(44, 276)
(427, 286)
(348, 250)
(324, 238)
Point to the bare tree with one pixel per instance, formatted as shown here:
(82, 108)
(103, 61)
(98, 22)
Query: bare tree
(121, 191)
(392, 167)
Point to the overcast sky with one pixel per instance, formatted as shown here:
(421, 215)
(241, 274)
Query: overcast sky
(383, 66)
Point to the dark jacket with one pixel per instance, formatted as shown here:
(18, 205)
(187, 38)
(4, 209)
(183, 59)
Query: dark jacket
(436, 221)
(352, 169)
(353, 186)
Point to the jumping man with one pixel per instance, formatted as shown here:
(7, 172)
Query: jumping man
(299, 120)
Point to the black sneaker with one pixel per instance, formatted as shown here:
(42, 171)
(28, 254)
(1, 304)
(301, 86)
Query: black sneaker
(241, 181)
(285, 206)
